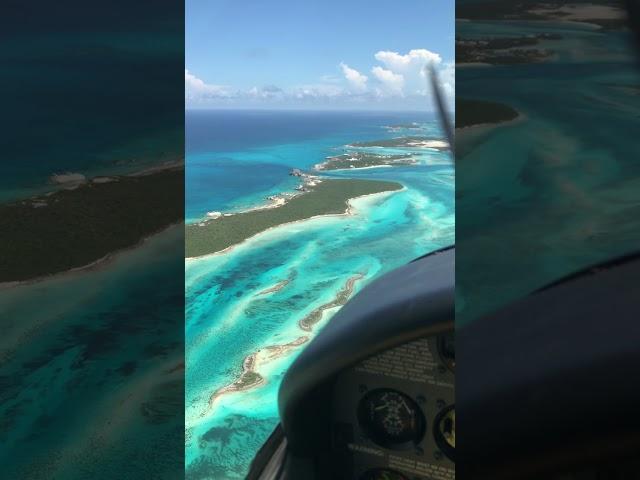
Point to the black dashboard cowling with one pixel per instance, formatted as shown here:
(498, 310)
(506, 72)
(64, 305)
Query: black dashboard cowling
(412, 302)
(550, 383)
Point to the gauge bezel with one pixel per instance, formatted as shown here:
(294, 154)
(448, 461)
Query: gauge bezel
(382, 440)
(441, 442)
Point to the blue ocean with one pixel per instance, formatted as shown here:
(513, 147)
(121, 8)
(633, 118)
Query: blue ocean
(235, 159)
(87, 117)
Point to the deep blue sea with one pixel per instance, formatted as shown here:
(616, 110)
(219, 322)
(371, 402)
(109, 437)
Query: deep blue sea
(235, 160)
(69, 105)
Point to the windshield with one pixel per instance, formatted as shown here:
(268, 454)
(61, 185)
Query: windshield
(548, 179)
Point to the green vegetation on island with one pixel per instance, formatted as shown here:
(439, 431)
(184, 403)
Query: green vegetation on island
(249, 378)
(363, 160)
(76, 227)
(603, 13)
(404, 142)
(328, 197)
(479, 112)
(503, 50)
(497, 10)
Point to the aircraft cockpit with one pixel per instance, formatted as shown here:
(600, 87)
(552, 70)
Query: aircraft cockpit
(373, 396)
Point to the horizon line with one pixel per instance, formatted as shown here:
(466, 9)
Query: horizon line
(334, 110)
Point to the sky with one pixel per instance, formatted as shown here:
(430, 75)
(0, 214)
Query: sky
(317, 54)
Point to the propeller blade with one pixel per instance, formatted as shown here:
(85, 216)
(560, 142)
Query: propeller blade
(445, 121)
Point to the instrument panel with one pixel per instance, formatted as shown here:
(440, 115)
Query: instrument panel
(393, 415)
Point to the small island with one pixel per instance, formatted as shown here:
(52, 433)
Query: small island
(601, 13)
(471, 113)
(404, 126)
(327, 197)
(308, 322)
(276, 288)
(364, 160)
(404, 142)
(87, 220)
(250, 378)
(503, 50)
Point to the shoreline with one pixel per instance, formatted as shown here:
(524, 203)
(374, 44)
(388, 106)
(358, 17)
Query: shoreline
(250, 378)
(54, 183)
(307, 323)
(370, 167)
(273, 201)
(361, 160)
(472, 113)
(348, 211)
(467, 137)
(95, 265)
(85, 223)
(276, 288)
(489, 125)
(168, 165)
(418, 142)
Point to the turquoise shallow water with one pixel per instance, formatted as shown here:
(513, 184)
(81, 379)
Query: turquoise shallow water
(226, 318)
(558, 190)
(91, 382)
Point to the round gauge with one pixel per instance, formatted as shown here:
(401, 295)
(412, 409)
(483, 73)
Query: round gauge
(447, 350)
(444, 430)
(383, 474)
(390, 418)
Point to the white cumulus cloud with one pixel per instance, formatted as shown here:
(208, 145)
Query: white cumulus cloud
(268, 92)
(392, 82)
(415, 60)
(356, 79)
(318, 91)
(396, 79)
(196, 89)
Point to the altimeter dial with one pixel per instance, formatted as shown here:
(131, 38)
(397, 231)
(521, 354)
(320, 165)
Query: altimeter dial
(391, 418)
